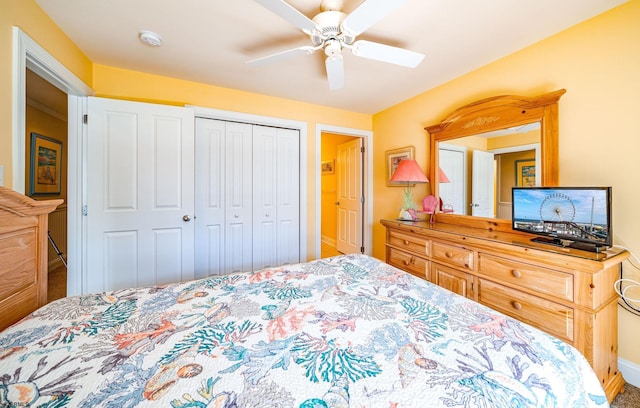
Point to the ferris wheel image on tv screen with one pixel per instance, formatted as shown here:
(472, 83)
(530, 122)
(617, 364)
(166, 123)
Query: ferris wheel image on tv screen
(557, 207)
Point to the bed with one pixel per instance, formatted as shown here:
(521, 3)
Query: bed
(347, 331)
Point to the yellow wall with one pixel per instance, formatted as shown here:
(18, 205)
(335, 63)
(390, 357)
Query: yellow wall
(598, 63)
(508, 173)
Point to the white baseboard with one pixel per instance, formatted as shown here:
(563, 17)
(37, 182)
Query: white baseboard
(328, 241)
(630, 371)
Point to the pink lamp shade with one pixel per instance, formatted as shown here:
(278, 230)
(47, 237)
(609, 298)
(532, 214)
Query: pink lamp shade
(409, 171)
(443, 177)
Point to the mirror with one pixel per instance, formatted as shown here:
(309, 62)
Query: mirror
(497, 136)
(479, 171)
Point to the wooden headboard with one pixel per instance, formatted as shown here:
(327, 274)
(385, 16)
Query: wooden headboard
(23, 254)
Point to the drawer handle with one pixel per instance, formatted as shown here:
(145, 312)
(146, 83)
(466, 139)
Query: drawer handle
(448, 254)
(405, 242)
(516, 273)
(411, 261)
(516, 305)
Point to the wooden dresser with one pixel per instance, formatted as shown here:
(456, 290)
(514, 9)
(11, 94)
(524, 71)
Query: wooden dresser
(565, 292)
(23, 254)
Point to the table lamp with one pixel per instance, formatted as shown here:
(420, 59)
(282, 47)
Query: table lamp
(409, 172)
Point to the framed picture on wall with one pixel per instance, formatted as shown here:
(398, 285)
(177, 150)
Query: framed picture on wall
(46, 165)
(394, 157)
(525, 173)
(328, 167)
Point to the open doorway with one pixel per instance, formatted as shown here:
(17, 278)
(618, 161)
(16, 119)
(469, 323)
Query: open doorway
(28, 54)
(333, 168)
(46, 120)
(328, 215)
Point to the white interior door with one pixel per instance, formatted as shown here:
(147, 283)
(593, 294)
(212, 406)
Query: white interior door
(139, 195)
(350, 195)
(454, 164)
(483, 184)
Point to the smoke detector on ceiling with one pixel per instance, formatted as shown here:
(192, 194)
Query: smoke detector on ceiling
(150, 38)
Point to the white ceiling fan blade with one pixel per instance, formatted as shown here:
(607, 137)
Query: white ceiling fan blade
(283, 55)
(335, 72)
(386, 53)
(367, 14)
(289, 13)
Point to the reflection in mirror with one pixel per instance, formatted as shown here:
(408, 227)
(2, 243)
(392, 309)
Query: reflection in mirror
(517, 136)
(481, 169)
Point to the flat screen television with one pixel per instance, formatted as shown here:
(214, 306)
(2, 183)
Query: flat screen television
(576, 217)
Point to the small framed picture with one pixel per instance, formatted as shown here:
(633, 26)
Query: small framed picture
(525, 173)
(328, 167)
(394, 157)
(46, 165)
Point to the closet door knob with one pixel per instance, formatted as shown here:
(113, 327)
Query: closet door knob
(186, 218)
(236, 216)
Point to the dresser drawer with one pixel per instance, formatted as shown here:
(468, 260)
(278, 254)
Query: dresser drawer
(550, 317)
(409, 243)
(452, 255)
(534, 278)
(408, 262)
(452, 279)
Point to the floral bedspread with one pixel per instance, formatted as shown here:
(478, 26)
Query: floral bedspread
(348, 331)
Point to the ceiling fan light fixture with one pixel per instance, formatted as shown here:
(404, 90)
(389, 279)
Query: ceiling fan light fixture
(332, 48)
(150, 38)
(332, 30)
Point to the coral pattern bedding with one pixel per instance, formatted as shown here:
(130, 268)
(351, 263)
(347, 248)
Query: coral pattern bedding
(348, 331)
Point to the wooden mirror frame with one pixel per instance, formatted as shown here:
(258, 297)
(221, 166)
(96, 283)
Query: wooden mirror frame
(497, 113)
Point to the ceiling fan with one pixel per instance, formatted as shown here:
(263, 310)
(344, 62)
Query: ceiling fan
(332, 30)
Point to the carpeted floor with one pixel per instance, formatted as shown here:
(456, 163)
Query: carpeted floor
(57, 284)
(630, 398)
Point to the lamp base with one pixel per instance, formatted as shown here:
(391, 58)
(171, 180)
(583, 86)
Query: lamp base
(408, 215)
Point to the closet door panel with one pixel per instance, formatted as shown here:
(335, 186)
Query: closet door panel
(210, 197)
(247, 197)
(288, 196)
(265, 211)
(238, 197)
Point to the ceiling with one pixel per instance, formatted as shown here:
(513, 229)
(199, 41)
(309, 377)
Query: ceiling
(209, 41)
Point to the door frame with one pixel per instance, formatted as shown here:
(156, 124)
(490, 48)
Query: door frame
(367, 164)
(29, 54)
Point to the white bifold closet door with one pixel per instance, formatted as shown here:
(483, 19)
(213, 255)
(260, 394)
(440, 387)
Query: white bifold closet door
(247, 197)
